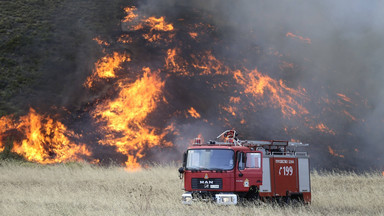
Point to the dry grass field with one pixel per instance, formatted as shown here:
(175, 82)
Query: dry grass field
(81, 189)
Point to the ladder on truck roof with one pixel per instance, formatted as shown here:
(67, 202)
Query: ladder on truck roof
(230, 137)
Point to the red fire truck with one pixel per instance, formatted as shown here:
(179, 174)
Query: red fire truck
(228, 169)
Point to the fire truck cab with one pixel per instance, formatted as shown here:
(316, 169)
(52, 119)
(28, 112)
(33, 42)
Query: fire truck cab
(232, 169)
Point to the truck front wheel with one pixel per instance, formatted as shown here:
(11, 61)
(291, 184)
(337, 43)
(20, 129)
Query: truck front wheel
(253, 193)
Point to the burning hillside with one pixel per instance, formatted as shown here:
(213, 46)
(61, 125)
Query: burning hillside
(171, 73)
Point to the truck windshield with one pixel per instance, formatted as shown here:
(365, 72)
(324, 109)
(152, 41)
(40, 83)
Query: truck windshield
(210, 159)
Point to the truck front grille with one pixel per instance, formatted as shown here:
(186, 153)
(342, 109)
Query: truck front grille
(211, 184)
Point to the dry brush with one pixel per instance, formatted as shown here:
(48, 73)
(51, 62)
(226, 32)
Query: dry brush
(82, 189)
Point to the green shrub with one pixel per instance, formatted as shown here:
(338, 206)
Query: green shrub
(7, 153)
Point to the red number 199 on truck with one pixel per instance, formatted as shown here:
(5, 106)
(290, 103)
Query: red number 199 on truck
(228, 169)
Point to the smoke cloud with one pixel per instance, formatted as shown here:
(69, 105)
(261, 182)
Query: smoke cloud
(337, 50)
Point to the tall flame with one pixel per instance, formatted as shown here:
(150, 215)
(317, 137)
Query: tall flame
(46, 141)
(125, 117)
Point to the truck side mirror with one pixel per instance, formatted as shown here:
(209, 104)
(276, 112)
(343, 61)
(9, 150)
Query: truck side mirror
(241, 160)
(181, 170)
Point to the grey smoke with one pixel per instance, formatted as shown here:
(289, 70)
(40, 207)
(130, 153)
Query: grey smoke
(345, 56)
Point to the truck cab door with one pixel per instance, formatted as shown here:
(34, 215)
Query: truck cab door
(249, 170)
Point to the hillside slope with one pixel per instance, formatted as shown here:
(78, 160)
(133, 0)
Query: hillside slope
(43, 43)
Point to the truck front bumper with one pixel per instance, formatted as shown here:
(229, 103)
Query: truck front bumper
(220, 198)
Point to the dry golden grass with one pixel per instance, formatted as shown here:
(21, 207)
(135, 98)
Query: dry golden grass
(81, 189)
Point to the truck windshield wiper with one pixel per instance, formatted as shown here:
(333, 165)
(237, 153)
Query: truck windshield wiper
(216, 169)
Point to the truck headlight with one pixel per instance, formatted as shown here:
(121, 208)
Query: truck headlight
(226, 199)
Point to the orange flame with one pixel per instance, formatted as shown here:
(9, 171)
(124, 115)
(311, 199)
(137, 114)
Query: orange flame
(193, 35)
(209, 64)
(132, 22)
(46, 141)
(332, 152)
(230, 109)
(174, 63)
(170, 60)
(280, 95)
(106, 67)
(353, 118)
(125, 116)
(206, 63)
(152, 37)
(344, 97)
(193, 113)
(286, 65)
(323, 128)
(158, 24)
(130, 11)
(235, 100)
(305, 40)
(101, 42)
(125, 39)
